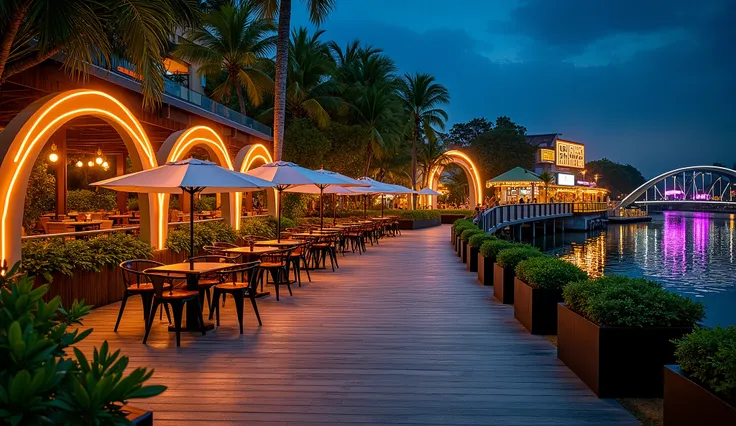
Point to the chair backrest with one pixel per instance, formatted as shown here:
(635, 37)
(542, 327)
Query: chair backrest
(97, 216)
(173, 215)
(55, 228)
(223, 244)
(279, 256)
(211, 258)
(106, 224)
(254, 238)
(158, 280)
(132, 271)
(231, 274)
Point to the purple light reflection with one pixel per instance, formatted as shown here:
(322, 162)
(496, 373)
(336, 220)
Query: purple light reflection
(701, 229)
(674, 243)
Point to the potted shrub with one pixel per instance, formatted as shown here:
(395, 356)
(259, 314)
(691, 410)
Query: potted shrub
(464, 237)
(460, 223)
(702, 389)
(487, 257)
(474, 243)
(458, 235)
(40, 383)
(616, 333)
(537, 290)
(503, 270)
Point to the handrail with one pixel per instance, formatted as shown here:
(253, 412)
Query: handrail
(509, 214)
(590, 207)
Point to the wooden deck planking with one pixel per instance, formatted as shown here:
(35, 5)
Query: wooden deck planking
(400, 335)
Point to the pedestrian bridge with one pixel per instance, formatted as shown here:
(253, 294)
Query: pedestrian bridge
(500, 217)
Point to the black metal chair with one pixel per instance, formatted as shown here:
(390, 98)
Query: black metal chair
(239, 281)
(298, 258)
(207, 281)
(276, 263)
(176, 298)
(137, 284)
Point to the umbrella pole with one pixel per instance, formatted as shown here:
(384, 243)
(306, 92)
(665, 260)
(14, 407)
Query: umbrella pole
(383, 202)
(365, 205)
(321, 197)
(191, 227)
(334, 211)
(278, 222)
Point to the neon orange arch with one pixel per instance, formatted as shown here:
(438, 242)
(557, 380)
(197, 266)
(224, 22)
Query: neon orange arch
(471, 170)
(178, 145)
(247, 157)
(25, 136)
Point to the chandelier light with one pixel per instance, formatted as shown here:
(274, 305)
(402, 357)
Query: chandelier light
(99, 159)
(53, 157)
(79, 163)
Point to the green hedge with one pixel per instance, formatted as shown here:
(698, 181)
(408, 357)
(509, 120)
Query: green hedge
(548, 272)
(511, 257)
(44, 258)
(465, 212)
(84, 200)
(459, 228)
(466, 234)
(490, 249)
(477, 240)
(418, 214)
(204, 234)
(263, 226)
(708, 356)
(619, 301)
(205, 203)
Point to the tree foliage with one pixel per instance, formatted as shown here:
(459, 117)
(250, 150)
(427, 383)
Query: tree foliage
(40, 195)
(616, 177)
(503, 148)
(462, 134)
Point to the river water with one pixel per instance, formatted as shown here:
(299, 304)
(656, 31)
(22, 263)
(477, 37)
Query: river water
(693, 254)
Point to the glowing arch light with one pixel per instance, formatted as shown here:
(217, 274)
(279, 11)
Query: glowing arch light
(247, 156)
(24, 137)
(466, 163)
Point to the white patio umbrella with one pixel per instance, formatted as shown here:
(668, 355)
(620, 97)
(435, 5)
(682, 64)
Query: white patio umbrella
(382, 188)
(333, 189)
(428, 191)
(286, 175)
(189, 176)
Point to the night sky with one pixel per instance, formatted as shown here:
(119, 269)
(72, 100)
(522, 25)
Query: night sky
(646, 82)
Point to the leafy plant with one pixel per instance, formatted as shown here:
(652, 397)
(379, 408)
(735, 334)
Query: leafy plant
(205, 203)
(491, 248)
(708, 356)
(40, 195)
(619, 301)
(466, 234)
(510, 257)
(39, 382)
(263, 226)
(548, 272)
(477, 240)
(293, 206)
(460, 228)
(418, 214)
(204, 234)
(133, 204)
(45, 258)
(84, 200)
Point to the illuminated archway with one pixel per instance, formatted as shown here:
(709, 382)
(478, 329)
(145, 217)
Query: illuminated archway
(178, 145)
(25, 136)
(466, 163)
(248, 157)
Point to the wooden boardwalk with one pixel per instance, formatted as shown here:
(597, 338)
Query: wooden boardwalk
(400, 335)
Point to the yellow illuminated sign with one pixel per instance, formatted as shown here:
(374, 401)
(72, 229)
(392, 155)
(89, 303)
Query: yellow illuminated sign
(546, 155)
(570, 154)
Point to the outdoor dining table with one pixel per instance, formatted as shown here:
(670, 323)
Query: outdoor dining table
(120, 219)
(82, 226)
(251, 255)
(277, 243)
(192, 271)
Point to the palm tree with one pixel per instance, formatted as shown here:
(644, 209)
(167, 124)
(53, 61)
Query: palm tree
(312, 90)
(547, 179)
(431, 155)
(234, 44)
(422, 98)
(318, 11)
(32, 31)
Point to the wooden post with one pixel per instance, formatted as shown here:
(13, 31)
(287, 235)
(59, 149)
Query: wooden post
(248, 201)
(60, 165)
(122, 197)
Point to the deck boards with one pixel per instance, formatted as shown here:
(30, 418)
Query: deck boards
(401, 335)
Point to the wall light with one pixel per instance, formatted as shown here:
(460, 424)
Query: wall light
(90, 163)
(79, 163)
(53, 157)
(99, 159)
(105, 165)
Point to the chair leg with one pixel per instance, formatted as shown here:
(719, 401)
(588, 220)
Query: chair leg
(306, 268)
(177, 307)
(215, 302)
(255, 309)
(147, 299)
(149, 324)
(200, 317)
(122, 308)
(239, 309)
(168, 315)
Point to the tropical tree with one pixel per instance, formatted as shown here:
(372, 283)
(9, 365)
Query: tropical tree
(431, 156)
(318, 11)
(87, 32)
(312, 90)
(232, 46)
(422, 98)
(547, 179)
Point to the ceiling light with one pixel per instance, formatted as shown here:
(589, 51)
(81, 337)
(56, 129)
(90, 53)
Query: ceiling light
(53, 157)
(79, 163)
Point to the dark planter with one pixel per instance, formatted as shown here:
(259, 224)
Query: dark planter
(686, 403)
(137, 416)
(449, 219)
(472, 258)
(503, 283)
(485, 270)
(536, 308)
(615, 362)
(418, 224)
(464, 251)
(458, 245)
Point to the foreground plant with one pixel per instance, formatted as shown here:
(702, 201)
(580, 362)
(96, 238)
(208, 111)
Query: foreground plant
(708, 356)
(39, 382)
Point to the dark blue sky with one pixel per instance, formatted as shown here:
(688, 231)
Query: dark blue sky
(646, 82)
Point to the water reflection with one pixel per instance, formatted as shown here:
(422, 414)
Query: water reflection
(690, 253)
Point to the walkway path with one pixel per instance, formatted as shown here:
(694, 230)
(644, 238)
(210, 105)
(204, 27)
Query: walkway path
(400, 335)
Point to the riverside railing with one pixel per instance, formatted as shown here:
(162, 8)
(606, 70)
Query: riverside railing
(512, 214)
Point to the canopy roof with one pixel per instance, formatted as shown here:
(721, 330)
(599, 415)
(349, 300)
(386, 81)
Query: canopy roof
(285, 175)
(517, 175)
(376, 187)
(190, 173)
(428, 191)
(334, 188)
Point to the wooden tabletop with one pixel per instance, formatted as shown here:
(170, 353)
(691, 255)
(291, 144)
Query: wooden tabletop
(248, 250)
(91, 223)
(120, 216)
(316, 234)
(276, 243)
(188, 269)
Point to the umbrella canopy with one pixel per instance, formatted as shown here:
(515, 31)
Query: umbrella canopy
(428, 191)
(341, 188)
(191, 173)
(190, 176)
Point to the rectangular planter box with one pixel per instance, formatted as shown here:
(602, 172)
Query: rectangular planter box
(503, 284)
(463, 251)
(615, 362)
(485, 270)
(449, 219)
(471, 256)
(686, 403)
(138, 417)
(418, 224)
(458, 245)
(536, 308)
